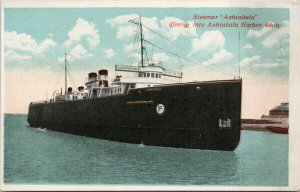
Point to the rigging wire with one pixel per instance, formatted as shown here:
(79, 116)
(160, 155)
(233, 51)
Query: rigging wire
(72, 80)
(152, 52)
(59, 77)
(147, 58)
(166, 38)
(71, 77)
(176, 55)
(136, 43)
(133, 46)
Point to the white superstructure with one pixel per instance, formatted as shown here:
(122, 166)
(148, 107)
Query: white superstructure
(146, 73)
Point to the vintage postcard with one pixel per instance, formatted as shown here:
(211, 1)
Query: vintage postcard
(140, 95)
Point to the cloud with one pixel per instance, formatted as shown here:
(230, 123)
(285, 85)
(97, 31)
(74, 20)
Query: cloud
(44, 45)
(24, 42)
(248, 60)
(135, 56)
(109, 53)
(270, 65)
(248, 46)
(263, 31)
(283, 51)
(126, 29)
(174, 33)
(121, 20)
(210, 40)
(157, 57)
(254, 61)
(128, 47)
(160, 57)
(277, 35)
(78, 52)
(83, 30)
(13, 56)
(218, 57)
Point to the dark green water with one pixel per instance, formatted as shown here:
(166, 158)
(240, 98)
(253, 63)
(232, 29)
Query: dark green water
(36, 156)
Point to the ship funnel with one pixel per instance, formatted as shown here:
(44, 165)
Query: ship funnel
(103, 83)
(70, 90)
(92, 76)
(103, 78)
(103, 74)
(80, 88)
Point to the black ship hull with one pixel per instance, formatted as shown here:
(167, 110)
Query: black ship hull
(202, 115)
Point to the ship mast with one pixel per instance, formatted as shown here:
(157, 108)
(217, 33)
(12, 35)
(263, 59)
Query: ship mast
(142, 48)
(142, 41)
(66, 79)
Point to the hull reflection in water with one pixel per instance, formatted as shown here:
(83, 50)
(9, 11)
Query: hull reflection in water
(57, 158)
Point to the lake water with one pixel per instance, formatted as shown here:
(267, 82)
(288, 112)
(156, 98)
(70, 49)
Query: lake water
(36, 156)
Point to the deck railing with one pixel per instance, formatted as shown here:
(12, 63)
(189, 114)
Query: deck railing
(132, 68)
(170, 73)
(43, 101)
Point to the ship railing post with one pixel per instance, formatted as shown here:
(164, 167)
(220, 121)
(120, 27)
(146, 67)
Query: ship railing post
(91, 92)
(100, 92)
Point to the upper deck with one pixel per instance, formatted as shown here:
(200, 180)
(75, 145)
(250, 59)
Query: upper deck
(145, 70)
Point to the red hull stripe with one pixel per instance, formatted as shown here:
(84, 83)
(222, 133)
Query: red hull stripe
(280, 130)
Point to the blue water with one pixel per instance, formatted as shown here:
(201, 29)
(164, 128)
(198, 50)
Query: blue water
(36, 156)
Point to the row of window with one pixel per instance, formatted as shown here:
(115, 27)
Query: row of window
(112, 91)
(148, 75)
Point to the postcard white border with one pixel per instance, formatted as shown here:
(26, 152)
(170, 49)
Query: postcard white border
(294, 87)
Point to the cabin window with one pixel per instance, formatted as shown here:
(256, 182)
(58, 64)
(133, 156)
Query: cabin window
(144, 74)
(132, 86)
(159, 75)
(152, 75)
(148, 74)
(156, 75)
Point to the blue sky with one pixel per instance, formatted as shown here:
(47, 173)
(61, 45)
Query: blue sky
(36, 39)
(55, 24)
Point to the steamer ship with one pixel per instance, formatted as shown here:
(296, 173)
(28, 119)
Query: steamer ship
(148, 107)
